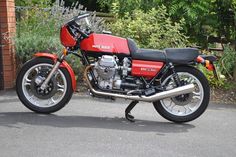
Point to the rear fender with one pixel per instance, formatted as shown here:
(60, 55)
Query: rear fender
(64, 64)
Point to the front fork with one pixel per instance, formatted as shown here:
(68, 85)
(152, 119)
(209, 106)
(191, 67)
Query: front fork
(52, 72)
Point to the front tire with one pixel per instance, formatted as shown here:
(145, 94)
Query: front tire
(57, 94)
(194, 111)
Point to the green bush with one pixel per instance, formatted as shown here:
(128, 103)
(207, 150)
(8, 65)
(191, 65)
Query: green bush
(36, 33)
(153, 29)
(225, 66)
(39, 28)
(213, 81)
(203, 17)
(227, 61)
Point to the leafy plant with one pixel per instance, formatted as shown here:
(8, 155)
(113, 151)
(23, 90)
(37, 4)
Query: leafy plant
(225, 66)
(202, 18)
(41, 3)
(39, 28)
(221, 83)
(153, 29)
(227, 62)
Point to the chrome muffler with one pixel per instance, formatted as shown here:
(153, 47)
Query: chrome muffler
(158, 96)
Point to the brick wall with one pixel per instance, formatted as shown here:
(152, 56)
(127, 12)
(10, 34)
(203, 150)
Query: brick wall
(8, 30)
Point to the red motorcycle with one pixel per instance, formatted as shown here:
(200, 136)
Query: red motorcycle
(117, 68)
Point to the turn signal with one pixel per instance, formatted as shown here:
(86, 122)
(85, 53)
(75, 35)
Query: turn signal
(208, 65)
(64, 51)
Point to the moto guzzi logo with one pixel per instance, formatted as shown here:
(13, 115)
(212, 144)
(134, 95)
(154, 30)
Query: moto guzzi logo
(148, 69)
(101, 47)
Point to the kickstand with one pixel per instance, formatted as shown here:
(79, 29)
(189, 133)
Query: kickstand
(128, 115)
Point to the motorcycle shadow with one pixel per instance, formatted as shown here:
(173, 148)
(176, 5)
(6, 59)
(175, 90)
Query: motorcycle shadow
(16, 119)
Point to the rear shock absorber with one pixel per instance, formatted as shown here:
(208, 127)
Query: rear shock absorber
(175, 75)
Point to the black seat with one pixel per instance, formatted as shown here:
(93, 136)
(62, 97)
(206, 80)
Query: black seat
(174, 55)
(145, 54)
(181, 55)
(149, 54)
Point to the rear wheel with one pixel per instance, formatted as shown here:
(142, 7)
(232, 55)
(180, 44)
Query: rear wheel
(187, 107)
(54, 97)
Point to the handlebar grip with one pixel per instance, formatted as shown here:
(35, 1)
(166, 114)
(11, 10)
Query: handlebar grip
(83, 34)
(73, 23)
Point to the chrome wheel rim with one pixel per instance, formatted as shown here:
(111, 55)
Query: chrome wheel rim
(28, 91)
(195, 99)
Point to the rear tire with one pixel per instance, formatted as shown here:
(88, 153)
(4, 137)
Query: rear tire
(164, 111)
(24, 98)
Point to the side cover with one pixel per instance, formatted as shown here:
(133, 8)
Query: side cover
(64, 64)
(104, 43)
(146, 69)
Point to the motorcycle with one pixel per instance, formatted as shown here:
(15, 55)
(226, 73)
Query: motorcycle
(116, 67)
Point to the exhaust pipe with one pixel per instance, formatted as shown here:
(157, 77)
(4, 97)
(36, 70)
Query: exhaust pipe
(158, 96)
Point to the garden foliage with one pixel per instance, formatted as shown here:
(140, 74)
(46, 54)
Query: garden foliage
(154, 24)
(202, 17)
(153, 29)
(38, 29)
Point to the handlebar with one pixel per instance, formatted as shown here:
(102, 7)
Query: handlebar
(81, 16)
(73, 23)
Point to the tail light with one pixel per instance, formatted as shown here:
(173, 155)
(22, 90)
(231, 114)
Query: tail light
(206, 63)
(67, 39)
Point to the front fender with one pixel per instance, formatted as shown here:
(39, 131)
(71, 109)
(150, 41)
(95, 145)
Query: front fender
(64, 64)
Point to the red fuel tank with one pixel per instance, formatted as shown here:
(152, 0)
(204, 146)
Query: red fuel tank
(104, 43)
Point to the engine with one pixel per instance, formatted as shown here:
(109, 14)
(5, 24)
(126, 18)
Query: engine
(109, 74)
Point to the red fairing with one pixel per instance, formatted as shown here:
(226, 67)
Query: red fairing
(105, 43)
(67, 39)
(146, 69)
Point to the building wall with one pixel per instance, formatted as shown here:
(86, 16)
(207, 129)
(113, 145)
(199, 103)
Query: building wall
(7, 30)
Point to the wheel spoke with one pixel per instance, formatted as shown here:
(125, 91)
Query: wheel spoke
(196, 97)
(37, 70)
(172, 105)
(170, 102)
(60, 87)
(196, 93)
(187, 109)
(56, 74)
(51, 101)
(27, 82)
(190, 80)
(33, 98)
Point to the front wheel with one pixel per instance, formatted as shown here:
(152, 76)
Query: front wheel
(187, 107)
(55, 96)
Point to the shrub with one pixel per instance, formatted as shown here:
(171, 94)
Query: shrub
(153, 29)
(39, 28)
(214, 82)
(227, 62)
(225, 66)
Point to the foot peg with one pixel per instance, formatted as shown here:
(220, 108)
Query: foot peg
(128, 115)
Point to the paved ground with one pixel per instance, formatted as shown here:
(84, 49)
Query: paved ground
(92, 127)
